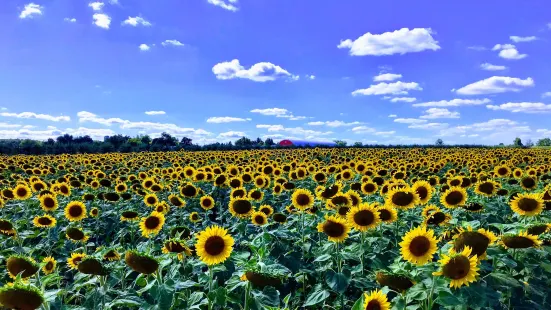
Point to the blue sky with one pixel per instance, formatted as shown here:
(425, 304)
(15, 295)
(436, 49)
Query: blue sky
(214, 70)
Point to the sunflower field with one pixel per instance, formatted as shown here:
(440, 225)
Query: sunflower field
(341, 228)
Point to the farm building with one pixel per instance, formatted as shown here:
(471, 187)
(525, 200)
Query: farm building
(293, 142)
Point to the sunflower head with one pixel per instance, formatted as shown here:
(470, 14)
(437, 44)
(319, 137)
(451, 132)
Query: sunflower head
(487, 188)
(21, 295)
(152, 224)
(176, 246)
(207, 202)
(48, 202)
(454, 197)
(48, 265)
(424, 190)
(279, 218)
(335, 228)
(460, 268)
(75, 211)
(522, 240)
(376, 300)
(241, 207)
(363, 217)
(92, 266)
(22, 192)
(75, 259)
(419, 245)
(76, 235)
(397, 282)
(140, 262)
(402, 198)
(214, 245)
(111, 255)
(477, 241)
(19, 264)
(387, 214)
(259, 218)
(44, 221)
(527, 204)
(194, 217)
(129, 215)
(302, 199)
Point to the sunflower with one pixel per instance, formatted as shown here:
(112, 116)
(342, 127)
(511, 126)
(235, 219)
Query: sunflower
(207, 202)
(152, 224)
(194, 217)
(538, 229)
(63, 189)
(527, 204)
(521, 241)
(75, 211)
(151, 200)
(529, 182)
(487, 188)
(259, 218)
(22, 192)
(111, 255)
(396, 282)
(141, 263)
(48, 202)
(92, 266)
(369, 188)
(176, 201)
(176, 246)
(94, 212)
(387, 214)
(241, 207)
(302, 199)
(256, 195)
(267, 209)
(418, 245)
(437, 218)
(6, 227)
(335, 228)
(376, 300)
(44, 221)
(474, 207)
(214, 245)
(363, 217)
(279, 218)
(454, 197)
(188, 190)
(48, 265)
(162, 207)
(129, 215)
(76, 235)
(21, 295)
(402, 198)
(19, 264)
(502, 171)
(478, 241)
(460, 268)
(354, 197)
(429, 209)
(424, 190)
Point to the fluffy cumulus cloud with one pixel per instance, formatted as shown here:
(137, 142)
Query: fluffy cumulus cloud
(392, 115)
(434, 113)
(496, 85)
(429, 126)
(70, 20)
(136, 21)
(260, 72)
(30, 10)
(522, 107)
(546, 94)
(397, 42)
(278, 112)
(155, 112)
(409, 120)
(102, 20)
(334, 123)
(144, 47)
(387, 77)
(28, 115)
(402, 99)
(518, 39)
(396, 88)
(508, 51)
(231, 135)
(172, 43)
(226, 119)
(225, 4)
(452, 103)
(271, 128)
(96, 6)
(294, 131)
(494, 129)
(85, 116)
(489, 67)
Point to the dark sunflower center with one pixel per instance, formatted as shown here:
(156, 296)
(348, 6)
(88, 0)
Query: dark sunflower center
(5, 225)
(486, 188)
(319, 177)
(529, 182)
(527, 204)
(49, 265)
(339, 200)
(354, 199)
(214, 245)
(455, 182)
(176, 247)
(537, 229)
(64, 189)
(385, 215)
(207, 203)
(369, 187)
(152, 222)
(256, 195)
(422, 192)
(265, 211)
(75, 211)
(454, 198)
(242, 206)
(280, 218)
(437, 218)
(457, 268)
(475, 240)
(419, 246)
(517, 242)
(259, 219)
(129, 214)
(194, 216)
(333, 229)
(346, 175)
(44, 221)
(502, 171)
(21, 192)
(303, 199)
(343, 210)
(402, 199)
(189, 191)
(49, 202)
(151, 200)
(373, 305)
(364, 217)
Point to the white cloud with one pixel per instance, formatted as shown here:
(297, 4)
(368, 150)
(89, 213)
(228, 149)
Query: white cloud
(517, 39)
(396, 88)
(429, 126)
(96, 6)
(136, 21)
(397, 42)
(495, 85)
(270, 111)
(102, 20)
(546, 94)
(226, 119)
(384, 133)
(70, 20)
(387, 77)
(403, 99)
(477, 48)
(296, 131)
(490, 67)
(434, 113)
(232, 134)
(409, 120)
(522, 107)
(172, 43)
(363, 129)
(260, 72)
(94, 133)
(6, 125)
(155, 112)
(84, 116)
(271, 128)
(30, 10)
(494, 128)
(392, 115)
(46, 117)
(311, 77)
(225, 4)
(452, 103)
(144, 47)
(334, 123)
(508, 51)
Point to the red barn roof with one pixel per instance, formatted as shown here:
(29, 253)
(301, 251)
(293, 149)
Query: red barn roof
(285, 143)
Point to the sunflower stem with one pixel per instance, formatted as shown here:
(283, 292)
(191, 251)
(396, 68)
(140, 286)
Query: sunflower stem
(362, 234)
(210, 286)
(247, 293)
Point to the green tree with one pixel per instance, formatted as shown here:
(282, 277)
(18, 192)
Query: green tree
(340, 143)
(269, 142)
(544, 142)
(439, 142)
(517, 142)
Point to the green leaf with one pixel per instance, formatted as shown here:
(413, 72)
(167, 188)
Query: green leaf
(504, 279)
(316, 296)
(359, 304)
(218, 297)
(51, 295)
(124, 303)
(323, 258)
(338, 282)
(195, 300)
(268, 297)
(147, 287)
(448, 299)
(185, 284)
